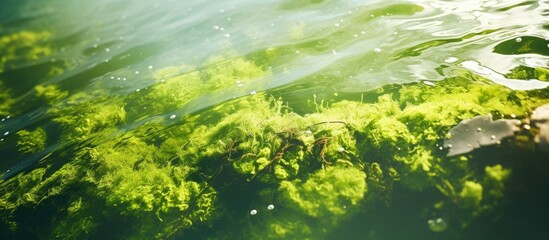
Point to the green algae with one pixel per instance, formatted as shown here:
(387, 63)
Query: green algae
(320, 166)
(31, 141)
(15, 49)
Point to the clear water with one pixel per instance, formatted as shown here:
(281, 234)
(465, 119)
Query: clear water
(324, 48)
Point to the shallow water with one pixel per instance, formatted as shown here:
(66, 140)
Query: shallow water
(331, 50)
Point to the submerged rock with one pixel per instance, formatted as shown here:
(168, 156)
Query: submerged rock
(540, 118)
(478, 131)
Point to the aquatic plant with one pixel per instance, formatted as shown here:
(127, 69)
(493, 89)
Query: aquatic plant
(15, 49)
(31, 141)
(320, 166)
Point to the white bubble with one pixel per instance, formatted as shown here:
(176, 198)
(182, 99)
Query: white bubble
(240, 85)
(150, 67)
(270, 207)
(450, 60)
(253, 92)
(136, 72)
(107, 49)
(137, 90)
(341, 149)
(308, 132)
(297, 51)
(518, 39)
(216, 27)
(337, 24)
(173, 116)
(428, 83)
(227, 35)
(253, 212)
(377, 50)
(6, 133)
(334, 52)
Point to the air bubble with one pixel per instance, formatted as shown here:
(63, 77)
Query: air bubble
(377, 50)
(6, 133)
(173, 116)
(451, 60)
(253, 212)
(270, 207)
(341, 149)
(518, 39)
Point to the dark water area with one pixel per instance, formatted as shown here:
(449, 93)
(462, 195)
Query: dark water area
(276, 119)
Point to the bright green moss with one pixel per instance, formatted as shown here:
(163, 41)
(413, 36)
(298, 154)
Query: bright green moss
(318, 167)
(50, 93)
(83, 115)
(6, 101)
(471, 194)
(326, 193)
(494, 180)
(23, 46)
(177, 86)
(31, 141)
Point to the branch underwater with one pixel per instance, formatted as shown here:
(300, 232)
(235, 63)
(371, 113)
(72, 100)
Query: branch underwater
(254, 167)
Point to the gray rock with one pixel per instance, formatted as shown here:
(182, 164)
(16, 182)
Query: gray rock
(477, 132)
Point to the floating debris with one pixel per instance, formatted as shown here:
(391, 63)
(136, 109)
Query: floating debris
(477, 132)
(540, 118)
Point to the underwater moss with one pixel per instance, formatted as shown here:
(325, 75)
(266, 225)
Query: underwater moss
(320, 166)
(50, 93)
(31, 141)
(23, 46)
(325, 193)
